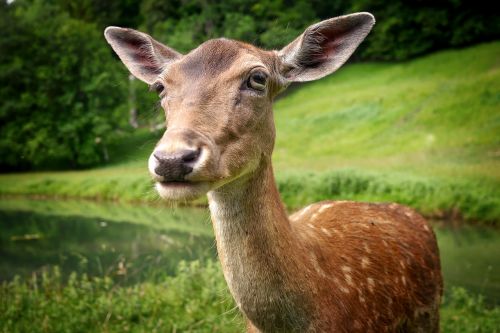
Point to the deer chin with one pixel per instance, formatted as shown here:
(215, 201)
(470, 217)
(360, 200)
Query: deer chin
(182, 191)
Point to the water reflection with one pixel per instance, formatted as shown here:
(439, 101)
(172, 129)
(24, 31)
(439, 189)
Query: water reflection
(137, 243)
(127, 251)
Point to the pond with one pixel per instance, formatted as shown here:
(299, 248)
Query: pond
(137, 243)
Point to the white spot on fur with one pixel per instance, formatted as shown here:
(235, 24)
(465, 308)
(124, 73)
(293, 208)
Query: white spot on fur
(366, 247)
(346, 269)
(326, 232)
(316, 265)
(348, 279)
(324, 207)
(298, 215)
(344, 290)
(371, 284)
(306, 209)
(365, 262)
(426, 228)
(310, 225)
(402, 263)
(404, 280)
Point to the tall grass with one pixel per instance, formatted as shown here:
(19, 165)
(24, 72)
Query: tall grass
(195, 300)
(470, 200)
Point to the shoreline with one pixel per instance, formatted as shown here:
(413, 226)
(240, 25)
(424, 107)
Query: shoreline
(446, 217)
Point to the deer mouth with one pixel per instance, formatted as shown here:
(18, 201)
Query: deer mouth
(181, 190)
(176, 183)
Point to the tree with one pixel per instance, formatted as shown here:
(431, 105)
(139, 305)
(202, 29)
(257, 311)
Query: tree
(60, 89)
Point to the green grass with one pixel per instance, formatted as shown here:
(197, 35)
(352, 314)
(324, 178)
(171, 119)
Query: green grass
(195, 300)
(424, 133)
(435, 116)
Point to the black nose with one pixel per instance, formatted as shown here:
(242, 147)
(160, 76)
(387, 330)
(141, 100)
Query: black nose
(175, 166)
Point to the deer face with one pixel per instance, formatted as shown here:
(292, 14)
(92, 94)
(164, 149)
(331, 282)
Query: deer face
(218, 98)
(217, 102)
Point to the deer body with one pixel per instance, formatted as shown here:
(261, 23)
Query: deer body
(331, 267)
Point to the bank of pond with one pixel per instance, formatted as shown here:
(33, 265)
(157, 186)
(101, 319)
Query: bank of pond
(155, 268)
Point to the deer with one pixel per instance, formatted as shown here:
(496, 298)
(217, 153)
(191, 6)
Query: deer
(333, 266)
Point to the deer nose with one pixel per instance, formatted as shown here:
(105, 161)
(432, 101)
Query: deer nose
(174, 166)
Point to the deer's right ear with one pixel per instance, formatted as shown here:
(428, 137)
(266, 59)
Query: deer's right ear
(144, 57)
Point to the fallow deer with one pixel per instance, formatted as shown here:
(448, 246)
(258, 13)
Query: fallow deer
(334, 266)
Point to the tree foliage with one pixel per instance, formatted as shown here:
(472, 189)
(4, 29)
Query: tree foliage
(404, 29)
(59, 92)
(64, 95)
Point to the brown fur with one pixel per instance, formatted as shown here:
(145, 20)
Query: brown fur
(331, 267)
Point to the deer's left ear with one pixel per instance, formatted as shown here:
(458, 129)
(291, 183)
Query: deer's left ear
(324, 47)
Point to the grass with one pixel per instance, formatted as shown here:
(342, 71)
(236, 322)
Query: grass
(423, 132)
(195, 300)
(434, 116)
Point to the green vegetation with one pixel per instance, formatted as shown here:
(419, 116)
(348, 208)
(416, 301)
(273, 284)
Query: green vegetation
(463, 313)
(423, 133)
(64, 97)
(60, 105)
(434, 197)
(404, 29)
(195, 300)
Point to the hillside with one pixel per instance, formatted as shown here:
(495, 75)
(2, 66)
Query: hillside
(424, 132)
(436, 116)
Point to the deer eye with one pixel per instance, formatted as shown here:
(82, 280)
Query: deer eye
(158, 87)
(257, 81)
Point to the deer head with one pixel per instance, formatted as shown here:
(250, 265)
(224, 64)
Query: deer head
(218, 98)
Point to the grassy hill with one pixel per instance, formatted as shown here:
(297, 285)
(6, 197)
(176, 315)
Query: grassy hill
(425, 133)
(435, 116)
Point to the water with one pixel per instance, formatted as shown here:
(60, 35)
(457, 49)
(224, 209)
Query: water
(137, 243)
(129, 243)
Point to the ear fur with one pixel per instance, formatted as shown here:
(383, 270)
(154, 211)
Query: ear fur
(324, 47)
(144, 57)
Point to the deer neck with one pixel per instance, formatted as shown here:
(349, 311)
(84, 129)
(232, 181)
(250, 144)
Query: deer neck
(260, 255)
